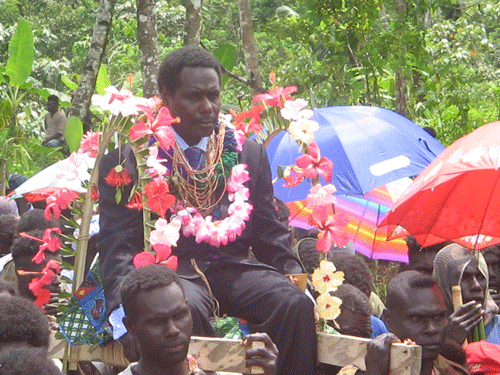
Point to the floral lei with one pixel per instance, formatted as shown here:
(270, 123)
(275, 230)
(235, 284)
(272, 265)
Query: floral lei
(157, 194)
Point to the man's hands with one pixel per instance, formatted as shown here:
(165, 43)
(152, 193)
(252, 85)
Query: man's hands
(463, 320)
(265, 357)
(378, 354)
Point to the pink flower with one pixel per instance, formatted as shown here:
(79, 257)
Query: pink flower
(239, 175)
(329, 226)
(293, 176)
(165, 234)
(160, 127)
(293, 110)
(57, 202)
(121, 102)
(155, 164)
(276, 97)
(312, 164)
(90, 143)
(321, 196)
(145, 258)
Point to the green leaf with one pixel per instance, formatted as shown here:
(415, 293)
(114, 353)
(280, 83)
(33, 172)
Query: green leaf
(69, 83)
(21, 55)
(226, 54)
(118, 195)
(73, 133)
(102, 80)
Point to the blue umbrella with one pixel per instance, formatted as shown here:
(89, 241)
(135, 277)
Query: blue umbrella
(369, 146)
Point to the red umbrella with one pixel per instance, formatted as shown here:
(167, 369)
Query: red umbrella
(456, 197)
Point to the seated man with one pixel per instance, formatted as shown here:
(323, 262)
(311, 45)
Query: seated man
(415, 310)
(157, 315)
(55, 123)
(214, 278)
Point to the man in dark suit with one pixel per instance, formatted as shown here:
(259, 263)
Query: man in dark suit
(256, 290)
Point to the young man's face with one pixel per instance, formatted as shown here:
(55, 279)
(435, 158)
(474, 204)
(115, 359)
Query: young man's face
(473, 283)
(163, 326)
(52, 106)
(421, 318)
(196, 102)
(493, 261)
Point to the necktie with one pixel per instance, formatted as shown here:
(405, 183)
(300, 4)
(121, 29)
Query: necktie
(195, 156)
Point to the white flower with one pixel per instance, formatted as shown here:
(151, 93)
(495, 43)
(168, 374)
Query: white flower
(303, 130)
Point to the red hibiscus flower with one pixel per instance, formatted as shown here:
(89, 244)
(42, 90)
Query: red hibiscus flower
(254, 125)
(37, 285)
(160, 127)
(49, 243)
(313, 164)
(158, 199)
(90, 143)
(276, 96)
(329, 226)
(57, 202)
(118, 176)
(136, 201)
(94, 193)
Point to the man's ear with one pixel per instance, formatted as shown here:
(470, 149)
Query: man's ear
(166, 97)
(387, 318)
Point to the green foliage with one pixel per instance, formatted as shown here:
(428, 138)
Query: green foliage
(73, 133)
(21, 54)
(226, 54)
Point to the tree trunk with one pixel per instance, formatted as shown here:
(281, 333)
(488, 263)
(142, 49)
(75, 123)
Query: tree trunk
(192, 29)
(250, 51)
(148, 45)
(85, 89)
(401, 73)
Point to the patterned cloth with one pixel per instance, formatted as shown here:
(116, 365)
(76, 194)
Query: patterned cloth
(195, 156)
(84, 320)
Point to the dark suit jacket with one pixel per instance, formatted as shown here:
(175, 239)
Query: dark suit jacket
(121, 229)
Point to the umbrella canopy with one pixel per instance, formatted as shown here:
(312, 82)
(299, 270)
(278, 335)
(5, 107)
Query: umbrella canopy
(369, 146)
(67, 173)
(456, 197)
(364, 213)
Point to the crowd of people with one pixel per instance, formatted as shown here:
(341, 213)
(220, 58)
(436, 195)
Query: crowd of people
(154, 310)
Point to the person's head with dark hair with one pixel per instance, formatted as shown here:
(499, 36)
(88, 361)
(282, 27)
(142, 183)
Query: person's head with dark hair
(282, 211)
(8, 206)
(430, 130)
(8, 289)
(415, 309)
(16, 180)
(354, 319)
(35, 219)
(157, 315)
(191, 57)
(8, 228)
(26, 361)
(422, 258)
(492, 257)
(23, 250)
(189, 81)
(52, 103)
(22, 322)
(356, 271)
(457, 265)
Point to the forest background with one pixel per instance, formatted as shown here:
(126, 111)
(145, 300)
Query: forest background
(434, 61)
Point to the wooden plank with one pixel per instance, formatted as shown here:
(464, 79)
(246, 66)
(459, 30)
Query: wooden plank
(343, 350)
(217, 354)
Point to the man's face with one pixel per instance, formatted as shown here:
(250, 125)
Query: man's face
(196, 102)
(473, 283)
(424, 262)
(52, 106)
(25, 264)
(163, 326)
(493, 261)
(422, 319)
